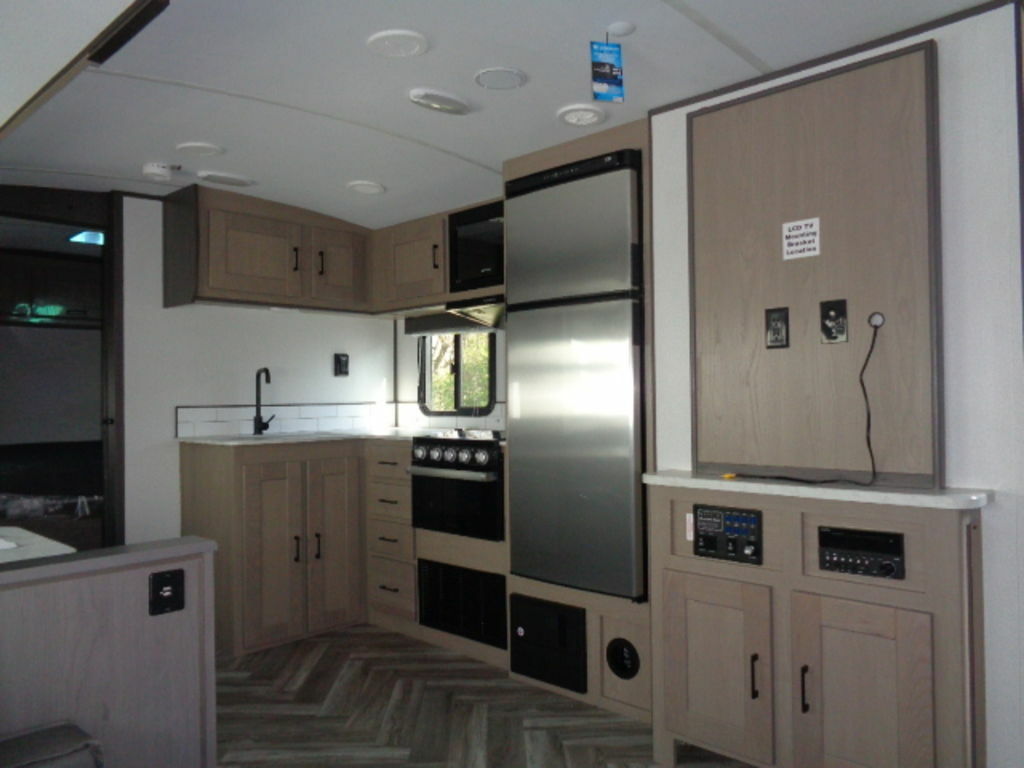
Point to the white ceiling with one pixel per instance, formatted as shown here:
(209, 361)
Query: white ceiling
(303, 106)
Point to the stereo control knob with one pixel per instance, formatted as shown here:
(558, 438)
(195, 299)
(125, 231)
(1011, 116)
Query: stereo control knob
(419, 452)
(465, 456)
(481, 456)
(887, 568)
(449, 455)
(749, 550)
(435, 453)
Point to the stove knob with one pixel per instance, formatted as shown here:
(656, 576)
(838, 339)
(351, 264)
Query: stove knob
(465, 456)
(481, 457)
(419, 452)
(435, 454)
(449, 455)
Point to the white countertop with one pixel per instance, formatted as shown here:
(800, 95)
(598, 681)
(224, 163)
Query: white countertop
(28, 545)
(269, 438)
(944, 498)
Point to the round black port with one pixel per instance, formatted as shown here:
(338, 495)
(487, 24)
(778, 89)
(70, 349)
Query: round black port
(622, 658)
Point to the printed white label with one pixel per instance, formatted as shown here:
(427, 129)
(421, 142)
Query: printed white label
(689, 526)
(801, 239)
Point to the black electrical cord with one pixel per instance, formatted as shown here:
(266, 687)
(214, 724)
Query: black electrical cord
(867, 432)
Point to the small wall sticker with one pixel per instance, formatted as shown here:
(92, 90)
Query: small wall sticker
(801, 239)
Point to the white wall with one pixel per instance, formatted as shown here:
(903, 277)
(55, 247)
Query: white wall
(982, 340)
(50, 380)
(208, 355)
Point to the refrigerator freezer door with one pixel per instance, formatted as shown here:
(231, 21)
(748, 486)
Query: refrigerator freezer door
(573, 239)
(573, 432)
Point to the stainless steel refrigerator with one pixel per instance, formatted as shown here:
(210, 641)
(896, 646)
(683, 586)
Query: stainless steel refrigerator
(573, 330)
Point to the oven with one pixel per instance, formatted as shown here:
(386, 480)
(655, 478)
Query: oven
(458, 486)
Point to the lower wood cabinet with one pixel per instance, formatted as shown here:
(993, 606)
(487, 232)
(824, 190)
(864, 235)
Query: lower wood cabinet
(862, 685)
(794, 665)
(288, 526)
(718, 662)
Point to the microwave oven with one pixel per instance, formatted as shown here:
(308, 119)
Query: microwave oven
(476, 247)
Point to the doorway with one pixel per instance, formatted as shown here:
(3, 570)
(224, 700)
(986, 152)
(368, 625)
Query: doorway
(59, 460)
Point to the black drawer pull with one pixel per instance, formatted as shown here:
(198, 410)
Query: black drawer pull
(804, 706)
(317, 555)
(754, 693)
(387, 501)
(387, 588)
(389, 463)
(434, 256)
(388, 539)
(321, 262)
(297, 548)
(295, 266)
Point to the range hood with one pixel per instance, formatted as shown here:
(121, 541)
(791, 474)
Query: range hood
(463, 316)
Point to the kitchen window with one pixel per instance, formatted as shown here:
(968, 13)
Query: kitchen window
(457, 374)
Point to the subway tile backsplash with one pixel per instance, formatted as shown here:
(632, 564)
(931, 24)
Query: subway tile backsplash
(224, 420)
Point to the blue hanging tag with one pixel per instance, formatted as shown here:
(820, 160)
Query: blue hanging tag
(606, 71)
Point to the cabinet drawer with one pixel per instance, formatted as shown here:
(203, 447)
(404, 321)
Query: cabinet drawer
(389, 500)
(388, 459)
(388, 538)
(392, 586)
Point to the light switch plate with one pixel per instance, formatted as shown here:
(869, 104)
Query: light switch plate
(340, 364)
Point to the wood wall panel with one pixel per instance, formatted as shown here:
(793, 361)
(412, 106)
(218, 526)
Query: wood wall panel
(78, 644)
(853, 150)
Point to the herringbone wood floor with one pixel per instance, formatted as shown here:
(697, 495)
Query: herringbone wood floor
(365, 697)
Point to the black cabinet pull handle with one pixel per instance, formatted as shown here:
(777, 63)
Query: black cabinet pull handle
(388, 539)
(434, 255)
(804, 706)
(321, 262)
(388, 463)
(387, 501)
(317, 555)
(297, 548)
(754, 693)
(295, 266)
(387, 588)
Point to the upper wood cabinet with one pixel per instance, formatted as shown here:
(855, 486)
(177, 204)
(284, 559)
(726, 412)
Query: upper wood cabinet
(339, 267)
(410, 264)
(225, 246)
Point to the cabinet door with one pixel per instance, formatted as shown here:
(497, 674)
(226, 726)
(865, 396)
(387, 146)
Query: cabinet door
(254, 255)
(339, 268)
(413, 264)
(718, 664)
(335, 543)
(274, 567)
(862, 685)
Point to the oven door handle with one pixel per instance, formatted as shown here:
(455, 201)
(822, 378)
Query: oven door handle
(454, 474)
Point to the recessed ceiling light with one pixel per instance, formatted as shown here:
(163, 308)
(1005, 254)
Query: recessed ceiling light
(366, 187)
(88, 237)
(229, 179)
(500, 78)
(440, 101)
(200, 148)
(621, 28)
(397, 43)
(581, 115)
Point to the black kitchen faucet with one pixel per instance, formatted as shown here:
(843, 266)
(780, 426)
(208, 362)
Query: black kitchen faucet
(259, 426)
